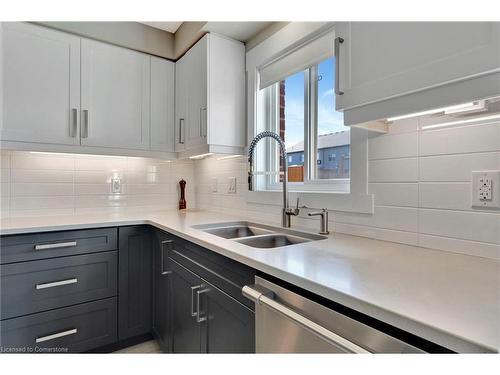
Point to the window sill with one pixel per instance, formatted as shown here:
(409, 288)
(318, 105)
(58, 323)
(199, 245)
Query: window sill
(334, 201)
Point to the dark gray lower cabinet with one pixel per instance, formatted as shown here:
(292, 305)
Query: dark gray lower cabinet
(135, 268)
(161, 291)
(205, 319)
(72, 329)
(229, 326)
(186, 330)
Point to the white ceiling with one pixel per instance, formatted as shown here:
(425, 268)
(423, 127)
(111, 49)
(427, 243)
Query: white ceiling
(242, 31)
(171, 27)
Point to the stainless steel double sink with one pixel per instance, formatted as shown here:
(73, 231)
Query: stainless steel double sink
(258, 235)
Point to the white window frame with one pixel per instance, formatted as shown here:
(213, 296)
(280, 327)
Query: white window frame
(311, 182)
(318, 194)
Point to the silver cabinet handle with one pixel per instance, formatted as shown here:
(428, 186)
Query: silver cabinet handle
(56, 283)
(200, 318)
(85, 127)
(181, 128)
(260, 296)
(74, 118)
(56, 335)
(55, 245)
(193, 289)
(162, 257)
(338, 42)
(203, 124)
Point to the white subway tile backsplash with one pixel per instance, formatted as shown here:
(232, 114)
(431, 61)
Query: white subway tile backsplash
(445, 195)
(393, 146)
(456, 168)
(92, 189)
(41, 176)
(459, 140)
(42, 212)
(399, 218)
(456, 245)
(37, 161)
(408, 238)
(475, 226)
(5, 175)
(41, 189)
(45, 184)
(100, 200)
(4, 189)
(96, 177)
(37, 203)
(394, 194)
(4, 159)
(393, 170)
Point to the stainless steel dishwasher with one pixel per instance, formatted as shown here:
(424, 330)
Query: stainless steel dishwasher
(286, 322)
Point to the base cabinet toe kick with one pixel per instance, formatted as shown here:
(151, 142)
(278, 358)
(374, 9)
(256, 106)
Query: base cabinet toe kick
(101, 289)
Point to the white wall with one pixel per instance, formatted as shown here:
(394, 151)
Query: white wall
(420, 180)
(34, 184)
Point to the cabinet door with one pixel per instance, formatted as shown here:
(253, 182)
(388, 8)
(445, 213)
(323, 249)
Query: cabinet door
(196, 70)
(41, 85)
(228, 326)
(181, 104)
(381, 60)
(135, 281)
(186, 331)
(115, 97)
(162, 104)
(161, 296)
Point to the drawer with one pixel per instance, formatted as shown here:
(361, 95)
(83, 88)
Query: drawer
(71, 329)
(226, 274)
(31, 287)
(24, 247)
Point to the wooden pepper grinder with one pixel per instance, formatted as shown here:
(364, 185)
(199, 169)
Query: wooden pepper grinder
(182, 201)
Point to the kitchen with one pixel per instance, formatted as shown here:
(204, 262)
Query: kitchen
(250, 188)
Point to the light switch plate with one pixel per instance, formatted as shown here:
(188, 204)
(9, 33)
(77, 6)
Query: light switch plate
(485, 189)
(232, 185)
(214, 184)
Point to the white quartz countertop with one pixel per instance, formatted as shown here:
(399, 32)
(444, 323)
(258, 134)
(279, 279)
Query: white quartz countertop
(450, 299)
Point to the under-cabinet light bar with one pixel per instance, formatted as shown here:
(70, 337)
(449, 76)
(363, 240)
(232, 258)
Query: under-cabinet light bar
(229, 157)
(449, 109)
(462, 122)
(201, 156)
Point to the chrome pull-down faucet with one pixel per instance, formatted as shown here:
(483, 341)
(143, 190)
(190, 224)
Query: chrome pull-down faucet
(286, 212)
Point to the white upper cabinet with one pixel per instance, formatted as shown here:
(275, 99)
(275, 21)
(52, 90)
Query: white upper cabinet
(181, 105)
(197, 75)
(210, 97)
(41, 85)
(115, 103)
(391, 68)
(162, 104)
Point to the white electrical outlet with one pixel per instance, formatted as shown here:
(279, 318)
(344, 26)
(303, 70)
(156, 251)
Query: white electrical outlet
(232, 185)
(116, 185)
(214, 184)
(486, 189)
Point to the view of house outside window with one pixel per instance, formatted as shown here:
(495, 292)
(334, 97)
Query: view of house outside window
(332, 142)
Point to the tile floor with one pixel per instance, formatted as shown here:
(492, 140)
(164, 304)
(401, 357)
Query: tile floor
(142, 348)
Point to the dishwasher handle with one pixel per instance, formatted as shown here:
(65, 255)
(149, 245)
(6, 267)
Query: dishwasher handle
(265, 297)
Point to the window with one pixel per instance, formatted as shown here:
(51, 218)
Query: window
(301, 109)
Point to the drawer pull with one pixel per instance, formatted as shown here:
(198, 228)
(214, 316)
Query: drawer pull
(55, 245)
(56, 335)
(56, 283)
